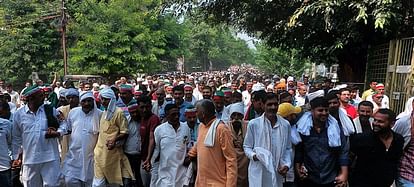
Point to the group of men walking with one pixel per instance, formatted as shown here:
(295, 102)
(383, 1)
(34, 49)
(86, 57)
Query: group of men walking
(189, 131)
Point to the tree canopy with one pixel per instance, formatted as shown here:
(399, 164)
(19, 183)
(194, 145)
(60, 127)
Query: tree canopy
(321, 28)
(29, 38)
(215, 46)
(280, 62)
(326, 31)
(120, 37)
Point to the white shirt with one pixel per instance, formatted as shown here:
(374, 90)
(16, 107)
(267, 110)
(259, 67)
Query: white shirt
(275, 139)
(385, 103)
(13, 107)
(28, 131)
(300, 100)
(197, 94)
(133, 142)
(5, 144)
(57, 90)
(225, 117)
(15, 98)
(171, 146)
(79, 159)
(246, 97)
(158, 110)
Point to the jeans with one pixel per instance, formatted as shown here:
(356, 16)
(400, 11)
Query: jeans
(309, 183)
(289, 184)
(15, 177)
(400, 182)
(5, 178)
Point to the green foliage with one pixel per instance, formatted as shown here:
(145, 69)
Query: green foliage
(29, 39)
(127, 37)
(117, 37)
(281, 62)
(110, 38)
(216, 44)
(324, 30)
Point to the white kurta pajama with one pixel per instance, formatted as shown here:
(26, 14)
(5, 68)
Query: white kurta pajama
(78, 165)
(261, 136)
(171, 147)
(41, 165)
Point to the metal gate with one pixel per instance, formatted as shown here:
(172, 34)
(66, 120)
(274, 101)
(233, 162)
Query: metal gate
(377, 64)
(397, 65)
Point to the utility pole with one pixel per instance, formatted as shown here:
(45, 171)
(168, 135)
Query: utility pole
(63, 24)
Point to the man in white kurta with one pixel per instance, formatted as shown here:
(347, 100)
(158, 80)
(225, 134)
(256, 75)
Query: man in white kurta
(84, 123)
(171, 140)
(267, 144)
(30, 133)
(5, 142)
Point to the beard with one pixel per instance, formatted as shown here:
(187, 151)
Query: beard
(236, 123)
(364, 118)
(379, 130)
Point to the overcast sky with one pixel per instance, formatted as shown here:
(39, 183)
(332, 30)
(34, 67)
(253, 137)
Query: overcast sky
(249, 40)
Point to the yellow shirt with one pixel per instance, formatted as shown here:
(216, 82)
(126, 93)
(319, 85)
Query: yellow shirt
(112, 165)
(64, 140)
(367, 93)
(217, 165)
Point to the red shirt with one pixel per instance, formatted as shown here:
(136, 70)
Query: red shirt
(351, 111)
(146, 128)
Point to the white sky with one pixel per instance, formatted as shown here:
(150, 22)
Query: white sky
(249, 40)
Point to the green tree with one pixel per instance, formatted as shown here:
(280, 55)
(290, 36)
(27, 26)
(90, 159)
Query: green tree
(279, 61)
(326, 31)
(29, 39)
(215, 44)
(117, 37)
(177, 43)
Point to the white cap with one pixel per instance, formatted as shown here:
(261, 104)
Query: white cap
(237, 107)
(258, 87)
(314, 95)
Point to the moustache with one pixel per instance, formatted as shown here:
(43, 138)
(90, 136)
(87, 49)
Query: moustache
(87, 106)
(236, 123)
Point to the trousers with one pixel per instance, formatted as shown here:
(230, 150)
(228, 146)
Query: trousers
(44, 174)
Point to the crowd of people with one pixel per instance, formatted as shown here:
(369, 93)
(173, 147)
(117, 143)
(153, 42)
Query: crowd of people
(219, 129)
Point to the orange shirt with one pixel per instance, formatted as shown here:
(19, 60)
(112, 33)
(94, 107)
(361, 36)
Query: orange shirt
(217, 165)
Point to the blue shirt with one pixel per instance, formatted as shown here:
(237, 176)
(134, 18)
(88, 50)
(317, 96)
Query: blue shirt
(322, 162)
(124, 106)
(5, 143)
(182, 108)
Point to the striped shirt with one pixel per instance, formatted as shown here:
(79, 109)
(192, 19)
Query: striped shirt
(407, 162)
